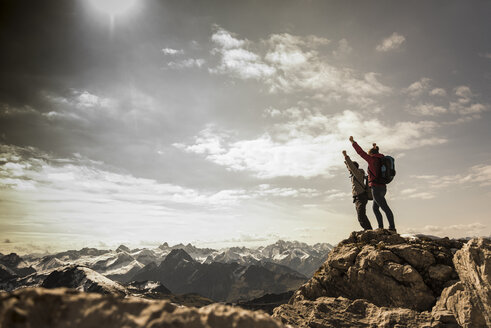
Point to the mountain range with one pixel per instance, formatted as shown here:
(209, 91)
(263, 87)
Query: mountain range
(231, 274)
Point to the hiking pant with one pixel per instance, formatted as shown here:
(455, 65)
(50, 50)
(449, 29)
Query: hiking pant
(361, 209)
(378, 193)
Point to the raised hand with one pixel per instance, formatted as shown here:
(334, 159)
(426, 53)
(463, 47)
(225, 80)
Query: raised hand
(344, 153)
(351, 139)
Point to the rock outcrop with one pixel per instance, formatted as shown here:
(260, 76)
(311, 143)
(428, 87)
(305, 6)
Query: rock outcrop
(385, 269)
(469, 300)
(380, 279)
(57, 308)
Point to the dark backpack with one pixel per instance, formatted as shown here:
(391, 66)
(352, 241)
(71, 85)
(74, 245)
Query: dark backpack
(387, 170)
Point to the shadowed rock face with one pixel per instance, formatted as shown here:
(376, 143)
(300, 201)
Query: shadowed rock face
(379, 279)
(61, 307)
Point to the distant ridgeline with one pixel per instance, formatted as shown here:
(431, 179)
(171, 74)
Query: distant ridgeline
(232, 274)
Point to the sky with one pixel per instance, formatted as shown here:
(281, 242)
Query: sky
(222, 122)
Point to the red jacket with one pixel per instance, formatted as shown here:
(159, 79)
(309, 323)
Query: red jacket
(373, 164)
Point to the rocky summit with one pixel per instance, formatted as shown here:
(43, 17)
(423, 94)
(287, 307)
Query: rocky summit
(380, 279)
(372, 279)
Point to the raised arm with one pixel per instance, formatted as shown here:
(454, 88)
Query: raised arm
(358, 149)
(356, 172)
(349, 163)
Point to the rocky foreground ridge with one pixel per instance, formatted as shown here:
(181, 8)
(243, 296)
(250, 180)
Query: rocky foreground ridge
(372, 279)
(380, 279)
(57, 308)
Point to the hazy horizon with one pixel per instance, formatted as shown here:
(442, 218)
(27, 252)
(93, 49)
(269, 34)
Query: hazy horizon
(223, 122)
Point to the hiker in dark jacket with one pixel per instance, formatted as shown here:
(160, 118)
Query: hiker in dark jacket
(378, 189)
(360, 197)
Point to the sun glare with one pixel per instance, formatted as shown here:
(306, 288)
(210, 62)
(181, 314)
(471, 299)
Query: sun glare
(113, 7)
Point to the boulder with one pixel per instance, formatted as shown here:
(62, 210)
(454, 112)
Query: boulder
(456, 301)
(414, 255)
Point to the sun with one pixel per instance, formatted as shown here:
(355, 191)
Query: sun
(113, 7)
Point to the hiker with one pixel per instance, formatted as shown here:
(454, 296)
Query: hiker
(379, 189)
(360, 196)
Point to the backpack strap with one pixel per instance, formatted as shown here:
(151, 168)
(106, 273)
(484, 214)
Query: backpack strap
(361, 183)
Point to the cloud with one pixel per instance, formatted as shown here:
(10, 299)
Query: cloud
(301, 68)
(464, 93)
(468, 230)
(186, 63)
(7, 110)
(486, 55)
(438, 92)
(236, 60)
(428, 110)
(461, 103)
(290, 64)
(292, 146)
(478, 175)
(335, 195)
(29, 171)
(415, 193)
(182, 63)
(85, 100)
(267, 190)
(471, 109)
(253, 238)
(26, 169)
(464, 104)
(226, 40)
(79, 105)
(170, 51)
(91, 111)
(343, 49)
(391, 43)
(417, 88)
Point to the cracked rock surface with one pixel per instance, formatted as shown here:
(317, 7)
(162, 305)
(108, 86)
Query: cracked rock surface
(380, 279)
(385, 269)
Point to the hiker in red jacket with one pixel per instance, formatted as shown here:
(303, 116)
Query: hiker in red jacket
(378, 189)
